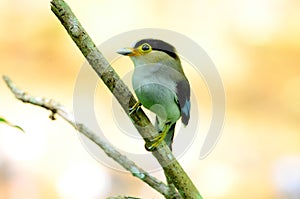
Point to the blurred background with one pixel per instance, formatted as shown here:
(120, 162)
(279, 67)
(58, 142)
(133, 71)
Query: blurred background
(255, 46)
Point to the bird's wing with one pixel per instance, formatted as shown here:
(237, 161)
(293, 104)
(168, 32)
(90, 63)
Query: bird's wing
(178, 83)
(175, 81)
(183, 98)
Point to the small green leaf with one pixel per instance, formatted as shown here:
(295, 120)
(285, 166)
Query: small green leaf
(10, 124)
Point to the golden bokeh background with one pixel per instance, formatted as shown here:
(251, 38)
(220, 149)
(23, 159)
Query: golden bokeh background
(255, 46)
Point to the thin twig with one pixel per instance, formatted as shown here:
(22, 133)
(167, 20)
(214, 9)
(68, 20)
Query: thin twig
(122, 197)
(60, 110)
(172, 169)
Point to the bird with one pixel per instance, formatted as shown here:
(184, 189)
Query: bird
(160, 85)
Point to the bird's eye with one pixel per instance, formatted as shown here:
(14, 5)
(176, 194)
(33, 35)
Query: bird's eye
(146, 47)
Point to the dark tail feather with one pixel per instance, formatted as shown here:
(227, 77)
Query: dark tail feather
(170, 135)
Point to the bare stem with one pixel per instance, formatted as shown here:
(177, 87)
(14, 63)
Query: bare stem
(122, 197)
(60, 110)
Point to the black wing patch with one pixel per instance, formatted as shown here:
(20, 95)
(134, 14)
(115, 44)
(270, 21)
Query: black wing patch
(183, 96)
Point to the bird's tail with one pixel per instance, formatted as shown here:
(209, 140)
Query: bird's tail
(170, 135)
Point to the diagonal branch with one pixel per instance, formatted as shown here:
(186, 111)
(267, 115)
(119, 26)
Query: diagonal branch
(172, 169)
(60, 110)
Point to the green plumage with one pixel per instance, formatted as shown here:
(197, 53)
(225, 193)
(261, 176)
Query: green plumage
(160, 86)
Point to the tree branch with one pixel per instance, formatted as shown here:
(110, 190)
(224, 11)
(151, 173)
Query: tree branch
(60, 110)
(173, 171)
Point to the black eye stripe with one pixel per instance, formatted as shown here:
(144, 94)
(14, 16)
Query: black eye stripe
(158, 45)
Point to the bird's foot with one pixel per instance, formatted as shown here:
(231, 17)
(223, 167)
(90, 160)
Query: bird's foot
(154, 143)
(135, 107)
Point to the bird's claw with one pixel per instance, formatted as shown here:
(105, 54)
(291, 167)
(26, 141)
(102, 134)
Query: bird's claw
(135, 107)
(154, 143)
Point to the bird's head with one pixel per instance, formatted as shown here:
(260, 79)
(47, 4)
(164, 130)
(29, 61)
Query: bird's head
(149, 51)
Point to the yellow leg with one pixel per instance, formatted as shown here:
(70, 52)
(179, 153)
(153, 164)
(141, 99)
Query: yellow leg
(153, 144)
(135, 107)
